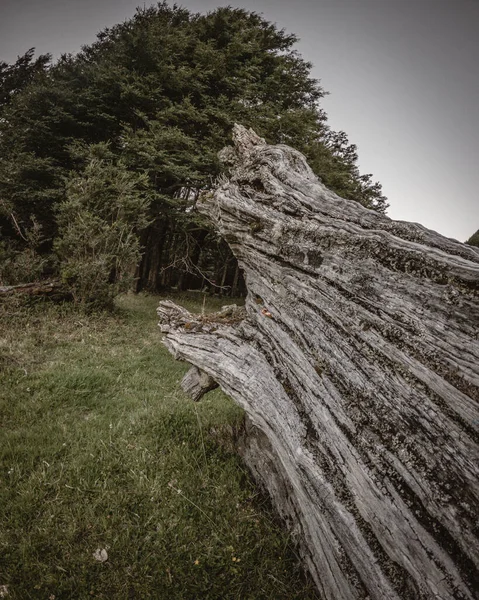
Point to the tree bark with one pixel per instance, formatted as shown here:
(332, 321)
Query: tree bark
(357, 363)
(197, 383)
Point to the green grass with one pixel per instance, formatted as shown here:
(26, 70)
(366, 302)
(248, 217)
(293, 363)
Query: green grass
(100, 449)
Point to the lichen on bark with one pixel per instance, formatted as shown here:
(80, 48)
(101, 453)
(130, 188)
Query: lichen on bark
(357, 362)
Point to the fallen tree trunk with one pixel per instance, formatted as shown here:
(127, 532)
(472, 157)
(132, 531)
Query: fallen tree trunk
(48, 289)
(357, 363)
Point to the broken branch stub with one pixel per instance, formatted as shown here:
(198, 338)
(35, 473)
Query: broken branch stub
(197, 383)
(357, 363)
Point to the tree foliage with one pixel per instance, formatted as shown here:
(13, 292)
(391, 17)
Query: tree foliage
(23, 263)
(474, 239)
(163, 89)
(14, 78)
(98, 245)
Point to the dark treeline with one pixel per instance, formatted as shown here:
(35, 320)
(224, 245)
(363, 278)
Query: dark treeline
(105, 153)
(474, 239)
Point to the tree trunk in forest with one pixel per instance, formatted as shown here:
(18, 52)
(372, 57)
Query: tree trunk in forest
(357, 363)
(224, 273)
(234, 285)
(149, 270)
(192, 256)
(141, 267)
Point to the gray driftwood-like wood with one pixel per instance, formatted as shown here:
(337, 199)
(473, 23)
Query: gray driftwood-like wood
(357, 363)
(197, 383)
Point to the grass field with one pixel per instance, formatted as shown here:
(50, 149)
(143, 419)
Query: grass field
(101, 451)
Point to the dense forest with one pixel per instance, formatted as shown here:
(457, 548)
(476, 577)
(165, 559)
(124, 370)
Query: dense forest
(105, 153)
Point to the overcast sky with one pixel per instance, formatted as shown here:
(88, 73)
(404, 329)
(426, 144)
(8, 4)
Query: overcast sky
(403, 77)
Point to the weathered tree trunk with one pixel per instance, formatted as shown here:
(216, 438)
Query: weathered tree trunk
(197, 383)
(357, 364)
(54, 290)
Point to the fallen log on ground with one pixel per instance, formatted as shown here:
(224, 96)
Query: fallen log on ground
(357, 363)
(54, 290)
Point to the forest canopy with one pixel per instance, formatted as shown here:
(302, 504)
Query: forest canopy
(105, 153)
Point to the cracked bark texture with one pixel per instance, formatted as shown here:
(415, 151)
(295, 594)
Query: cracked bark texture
(357, 363)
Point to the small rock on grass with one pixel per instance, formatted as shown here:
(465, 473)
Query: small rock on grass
(101, 555)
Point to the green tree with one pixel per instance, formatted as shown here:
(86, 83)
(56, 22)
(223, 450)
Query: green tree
(14, 78)
(98, 223)
(164, 89)
(474, 239)
(23, 263)
(334, 159)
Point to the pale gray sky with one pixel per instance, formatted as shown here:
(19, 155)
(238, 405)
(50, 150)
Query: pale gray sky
(403, 77)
